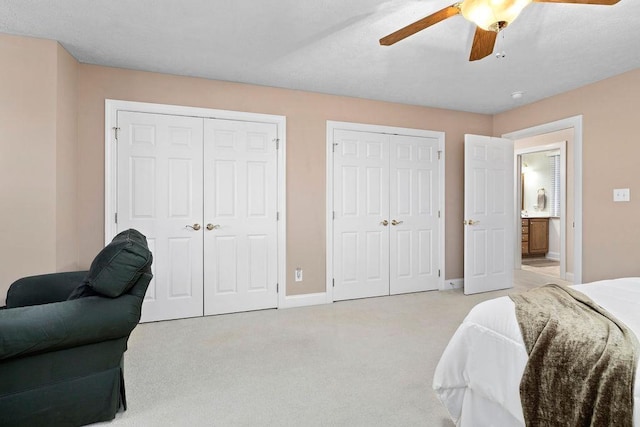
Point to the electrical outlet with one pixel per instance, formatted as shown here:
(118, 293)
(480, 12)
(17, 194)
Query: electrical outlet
(621, 195)
(298, 274)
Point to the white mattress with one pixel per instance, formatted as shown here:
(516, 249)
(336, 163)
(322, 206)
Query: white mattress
(478, 376)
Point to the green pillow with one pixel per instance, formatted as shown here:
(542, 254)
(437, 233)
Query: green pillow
(120, 264)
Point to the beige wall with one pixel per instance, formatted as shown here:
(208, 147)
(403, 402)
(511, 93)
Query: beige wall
(66, 162)
(611, 241)
(306, 115)
(32, 119)
(47, 94)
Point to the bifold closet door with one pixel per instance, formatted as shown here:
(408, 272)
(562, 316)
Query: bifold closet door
(413, 218)
(386, 225)
(361, 220)
(240, 216)
(159, 193)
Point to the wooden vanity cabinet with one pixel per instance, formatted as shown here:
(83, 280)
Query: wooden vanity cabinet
(525, 237)
(535, 236)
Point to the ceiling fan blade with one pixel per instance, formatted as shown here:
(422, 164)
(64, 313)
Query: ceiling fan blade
(428, 21)
(602, 2)
(483, 43)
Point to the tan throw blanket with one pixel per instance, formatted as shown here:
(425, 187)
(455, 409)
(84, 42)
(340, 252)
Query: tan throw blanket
(582, 360)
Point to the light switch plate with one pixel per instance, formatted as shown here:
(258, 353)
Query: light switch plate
(621, 195)
(298, 274)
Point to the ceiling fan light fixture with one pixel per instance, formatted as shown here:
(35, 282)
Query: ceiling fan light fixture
(492, 15)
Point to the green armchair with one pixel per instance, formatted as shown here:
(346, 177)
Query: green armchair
(63, 337)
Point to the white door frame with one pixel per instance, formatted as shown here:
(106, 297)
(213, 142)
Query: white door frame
(333, 125)
(562, 147)
(574, 122)
(110, 196)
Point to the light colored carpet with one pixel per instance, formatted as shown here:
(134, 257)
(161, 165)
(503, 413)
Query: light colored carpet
(366, 362)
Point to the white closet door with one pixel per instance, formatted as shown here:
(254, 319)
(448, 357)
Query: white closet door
(414, 224)
(361, 203)
(160, 194)
(240, 206)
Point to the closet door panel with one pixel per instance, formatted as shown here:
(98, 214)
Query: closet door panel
(361, 203)
(414, 222)
(159, 191)
(240, 207)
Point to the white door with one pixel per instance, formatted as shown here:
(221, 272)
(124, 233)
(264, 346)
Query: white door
(361, 206)
(159, 189)
(386, 226)
(414, 223)
(240, 215)
(488, 214)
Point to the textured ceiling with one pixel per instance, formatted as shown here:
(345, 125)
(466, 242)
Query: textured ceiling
(331, 46)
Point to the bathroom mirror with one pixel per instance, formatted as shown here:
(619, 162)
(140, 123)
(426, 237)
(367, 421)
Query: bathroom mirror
(537, 182)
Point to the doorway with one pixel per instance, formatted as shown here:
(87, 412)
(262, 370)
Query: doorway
(543, 205)
(547, 134)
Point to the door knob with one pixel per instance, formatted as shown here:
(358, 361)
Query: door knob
(394, 222)
(212, 227)
(194, 226)
(470, 222)
(385, 223)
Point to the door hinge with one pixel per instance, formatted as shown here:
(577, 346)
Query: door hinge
(277, 287)
(334, 282)
(334, 146)
(438, 272)
(334, 214)
(277, 216)
(438, 214)
(277, 141)
(439, 154)
(115, 131)
(115, 217)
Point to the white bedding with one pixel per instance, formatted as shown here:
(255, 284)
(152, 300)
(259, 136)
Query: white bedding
(478, 376)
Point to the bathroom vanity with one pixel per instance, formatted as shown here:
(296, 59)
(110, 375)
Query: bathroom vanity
(535, 236)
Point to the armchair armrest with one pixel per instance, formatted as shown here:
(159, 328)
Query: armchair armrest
(55, 326)
(43, 289)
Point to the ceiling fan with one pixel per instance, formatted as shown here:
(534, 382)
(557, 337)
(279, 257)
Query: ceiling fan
(490, 17)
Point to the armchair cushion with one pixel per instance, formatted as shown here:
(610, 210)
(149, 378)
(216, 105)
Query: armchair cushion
(117, 267)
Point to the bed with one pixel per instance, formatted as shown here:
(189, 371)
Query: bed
(478, 376)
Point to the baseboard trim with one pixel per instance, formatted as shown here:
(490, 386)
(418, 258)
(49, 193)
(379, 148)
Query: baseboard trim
(452, 284)
(304, 300)
(554, 256)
